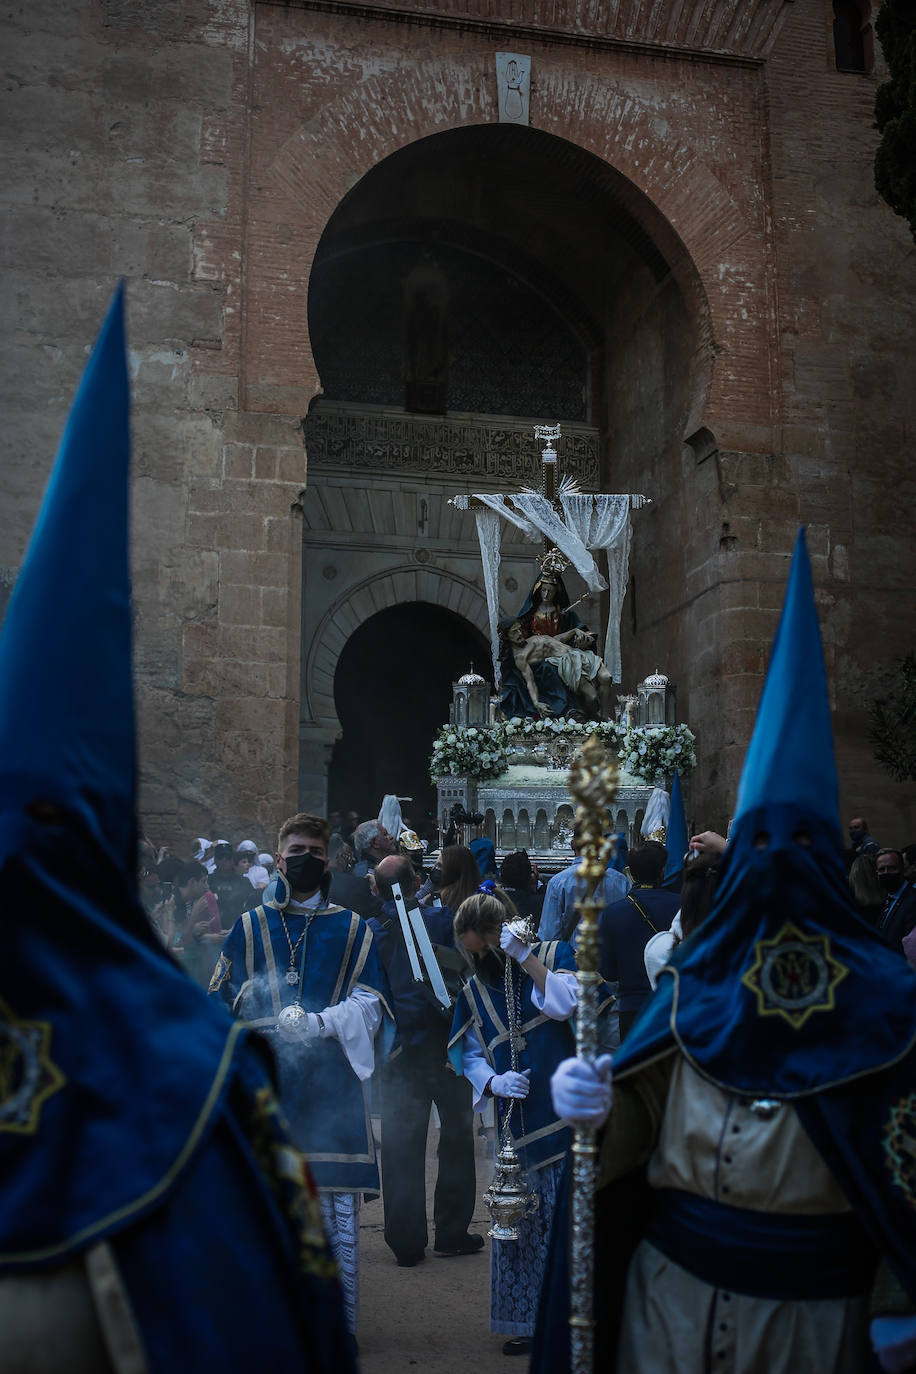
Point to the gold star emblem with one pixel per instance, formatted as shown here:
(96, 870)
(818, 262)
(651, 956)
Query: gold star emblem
(28, 1077)
(794, 975)
(900, 1147)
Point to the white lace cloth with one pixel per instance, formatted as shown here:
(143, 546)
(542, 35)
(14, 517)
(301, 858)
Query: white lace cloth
(589, 522)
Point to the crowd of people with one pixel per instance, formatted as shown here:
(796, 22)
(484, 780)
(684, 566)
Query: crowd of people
(176, 1196)
(724, 1107)
(242, 920)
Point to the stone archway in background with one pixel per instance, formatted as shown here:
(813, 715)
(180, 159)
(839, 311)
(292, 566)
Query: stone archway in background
(392, 690)
(452, 304)
(343, 592)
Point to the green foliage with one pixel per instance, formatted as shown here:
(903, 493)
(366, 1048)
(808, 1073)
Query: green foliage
(892, 725)
(895, 109)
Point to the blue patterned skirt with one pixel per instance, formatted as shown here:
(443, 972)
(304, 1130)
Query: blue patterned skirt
(517, 1266)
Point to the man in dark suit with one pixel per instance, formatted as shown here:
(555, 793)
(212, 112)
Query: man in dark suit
(417, 1075)
(347, 888)
(899, 915)
(626, 927)
(517, 880)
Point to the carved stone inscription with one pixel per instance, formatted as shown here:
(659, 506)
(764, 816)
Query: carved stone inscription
(513, 80)
(348, 437)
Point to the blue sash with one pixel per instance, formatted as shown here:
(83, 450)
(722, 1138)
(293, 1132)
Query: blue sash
(763, 1254)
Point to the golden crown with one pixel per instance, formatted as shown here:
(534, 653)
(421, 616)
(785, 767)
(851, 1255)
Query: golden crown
(553, 563)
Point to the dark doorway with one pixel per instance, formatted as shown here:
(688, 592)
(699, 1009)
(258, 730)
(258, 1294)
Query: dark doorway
(392, 690)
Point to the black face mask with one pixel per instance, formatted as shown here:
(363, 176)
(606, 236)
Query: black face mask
(304, 872)
(435, 876)
(890, 881)
(855, 835)
(491, 967)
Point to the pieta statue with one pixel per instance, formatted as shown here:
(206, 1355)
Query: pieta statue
(548, 658)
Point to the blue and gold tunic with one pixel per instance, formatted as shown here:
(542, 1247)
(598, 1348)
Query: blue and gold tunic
(322, 1096)
(537, 1134)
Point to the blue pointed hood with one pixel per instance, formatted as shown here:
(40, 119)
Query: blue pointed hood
(790, 757)
(676, 838)
(784, 990)
(66, 694)
(118, 1062)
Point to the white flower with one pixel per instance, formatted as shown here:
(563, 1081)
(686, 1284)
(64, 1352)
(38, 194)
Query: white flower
(642, 749)
(451, 739)
(472, 733)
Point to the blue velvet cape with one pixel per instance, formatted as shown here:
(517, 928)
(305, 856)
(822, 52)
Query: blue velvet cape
(132, 1110)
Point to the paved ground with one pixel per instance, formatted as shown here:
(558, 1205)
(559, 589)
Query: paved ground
(433, 1318)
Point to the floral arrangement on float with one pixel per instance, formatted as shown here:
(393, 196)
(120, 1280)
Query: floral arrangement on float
(522, 728)
(646, 752)
(649, 752)
(471, 751)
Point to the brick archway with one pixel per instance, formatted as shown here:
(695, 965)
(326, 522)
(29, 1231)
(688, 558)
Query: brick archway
(714, 241)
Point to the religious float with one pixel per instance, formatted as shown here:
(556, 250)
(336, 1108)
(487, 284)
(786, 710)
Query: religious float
(501, 764)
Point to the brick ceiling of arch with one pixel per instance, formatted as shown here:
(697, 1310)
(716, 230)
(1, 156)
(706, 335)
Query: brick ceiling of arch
(527, 240)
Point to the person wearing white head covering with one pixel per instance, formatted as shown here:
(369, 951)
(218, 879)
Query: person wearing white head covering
(258, 876)
(204, 853)
(658, 809)
(247, 847)
(390, 815)
(391, 818)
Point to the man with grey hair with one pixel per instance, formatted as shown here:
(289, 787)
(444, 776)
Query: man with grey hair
(347, 888)
(372, 844)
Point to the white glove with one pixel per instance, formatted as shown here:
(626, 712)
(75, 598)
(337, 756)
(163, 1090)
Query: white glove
(513, 946)
(511, 1084)
(581, 1092)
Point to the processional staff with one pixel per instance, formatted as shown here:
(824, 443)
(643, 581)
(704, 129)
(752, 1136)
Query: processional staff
(593, 785)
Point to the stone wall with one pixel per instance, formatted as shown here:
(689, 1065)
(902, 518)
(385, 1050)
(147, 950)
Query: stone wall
(200, 147)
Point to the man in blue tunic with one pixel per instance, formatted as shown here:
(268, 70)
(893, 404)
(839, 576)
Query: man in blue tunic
(306, 972)
(156, 1216)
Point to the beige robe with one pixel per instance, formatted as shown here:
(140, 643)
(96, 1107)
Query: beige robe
(695, 1137)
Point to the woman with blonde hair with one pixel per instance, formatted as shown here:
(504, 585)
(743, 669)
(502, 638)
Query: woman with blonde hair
(528, 990)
